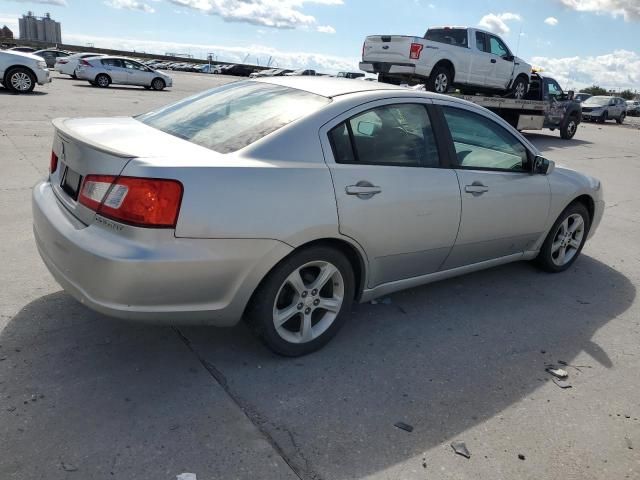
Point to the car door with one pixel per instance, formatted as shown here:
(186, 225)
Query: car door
(393, 196)
(502, 68)
(482, 61)
(137, 74)
(504, 206)
(114, 67)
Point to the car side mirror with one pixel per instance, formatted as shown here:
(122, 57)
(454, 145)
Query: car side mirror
(542, 165)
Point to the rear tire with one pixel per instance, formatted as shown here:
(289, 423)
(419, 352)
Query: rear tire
(620, 120)
(290, 314)
(569, 130)
(20, 80)
(74, 76)
(103, 80)
(565, 239)
(440, 80)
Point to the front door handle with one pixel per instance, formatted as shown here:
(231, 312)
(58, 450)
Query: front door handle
(476, 188)
(363, 190)
(493, 60)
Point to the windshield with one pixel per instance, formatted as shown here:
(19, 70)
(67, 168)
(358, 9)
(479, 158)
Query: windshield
(231, 117)
(597, 101)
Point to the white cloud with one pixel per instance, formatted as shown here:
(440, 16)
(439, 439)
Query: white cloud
(57, 3)
(628, 9)
(268, 13)
(497, 23)
(130, 5)
(552, 21)
(617, 70)
(254, 54)
(325, 29)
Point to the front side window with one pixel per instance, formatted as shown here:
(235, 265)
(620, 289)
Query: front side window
(552, 89)
(133, 65)
(481, 143)
(497, 47)
(234, 116)
(398, 135)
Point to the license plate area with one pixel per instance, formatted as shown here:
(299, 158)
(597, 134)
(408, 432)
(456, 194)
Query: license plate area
(70, 183)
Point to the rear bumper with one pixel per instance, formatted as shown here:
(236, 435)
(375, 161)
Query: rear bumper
(170, 280)
(390, 68)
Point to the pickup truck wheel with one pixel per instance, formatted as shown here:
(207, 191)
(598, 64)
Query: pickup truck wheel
(621, 119)
(569, 130)
(519, 88)
(440, 80)
(20, 80)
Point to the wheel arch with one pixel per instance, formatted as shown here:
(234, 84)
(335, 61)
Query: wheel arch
(448, 64)
(105, 74)
(588, 202)
(159, 78)
(520, 75)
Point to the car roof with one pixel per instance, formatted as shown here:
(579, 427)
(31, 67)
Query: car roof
(328, 86)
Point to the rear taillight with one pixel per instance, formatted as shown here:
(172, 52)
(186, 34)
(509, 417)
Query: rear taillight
(363, 49)
(415, 51)
(53, 163)
(142, 202)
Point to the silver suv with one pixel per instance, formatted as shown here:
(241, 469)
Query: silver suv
(19, 71)
(602, 108)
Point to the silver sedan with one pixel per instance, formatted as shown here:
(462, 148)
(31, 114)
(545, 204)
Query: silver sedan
(106, 70)
(282, 201)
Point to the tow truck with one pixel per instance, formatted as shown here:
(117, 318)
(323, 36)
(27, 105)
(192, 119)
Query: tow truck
(544, 106)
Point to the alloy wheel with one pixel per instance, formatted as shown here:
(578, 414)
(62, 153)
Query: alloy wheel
(441, 83)
(20, 81)
(567, 240)
(519, 93)
(572, 127)
(308, 302)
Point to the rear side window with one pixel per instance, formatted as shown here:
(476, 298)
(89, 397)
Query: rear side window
(452, 36)
(481, 42)
(234, 116)
(112, 62)
(399, 135)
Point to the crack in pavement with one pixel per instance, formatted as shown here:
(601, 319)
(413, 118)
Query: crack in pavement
(256, 419)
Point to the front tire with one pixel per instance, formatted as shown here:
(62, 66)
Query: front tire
(569, 130)
(158, 84)
(303, 302)
(440, 80)
(603, 118)
(565, 239)
(620, 120)
(20, 80)
(519, 88)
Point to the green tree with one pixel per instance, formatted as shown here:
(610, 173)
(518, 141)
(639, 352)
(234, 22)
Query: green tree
(595, 90)
(627, 94)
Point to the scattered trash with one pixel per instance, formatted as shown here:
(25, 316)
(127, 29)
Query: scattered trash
(2, 358)
(10, 409)
(583, 302)
(627, 416)
(461, 449)
(521, 456)
(562, 383)
(557, 372)
(68, 467)
(629, 444)
(174, 427)
(403, 426)
(34, 398)
(384, 301)
(186, 476)
(543, 351)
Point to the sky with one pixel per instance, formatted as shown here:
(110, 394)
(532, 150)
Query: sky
(580, 42)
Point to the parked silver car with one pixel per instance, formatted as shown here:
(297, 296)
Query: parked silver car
(602, 108)
(107, 70)
(284, 200)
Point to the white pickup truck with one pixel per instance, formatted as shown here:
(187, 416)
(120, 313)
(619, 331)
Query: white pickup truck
(473, 60)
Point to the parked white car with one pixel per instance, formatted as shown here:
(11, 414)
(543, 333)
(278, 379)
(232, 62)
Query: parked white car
(471, 59)
(103, 71)
(68, 65)
(20, 71)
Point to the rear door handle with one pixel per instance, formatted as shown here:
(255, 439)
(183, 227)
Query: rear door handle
(493, 60)
(476, 188)
(363, 189)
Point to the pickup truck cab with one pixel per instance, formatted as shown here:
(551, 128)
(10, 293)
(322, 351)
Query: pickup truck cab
(19, 71)
(468, 58)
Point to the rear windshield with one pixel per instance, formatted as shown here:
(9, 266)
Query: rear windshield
(452, 36)
(233, 116)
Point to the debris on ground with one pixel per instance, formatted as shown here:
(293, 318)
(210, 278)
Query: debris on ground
(68, 467)
(403, 426)
(562, 383)
(10, 409)
(461, 449)
(186, 476)
(521, 456)
(629, 444)
(384, 301)
(557, 372)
